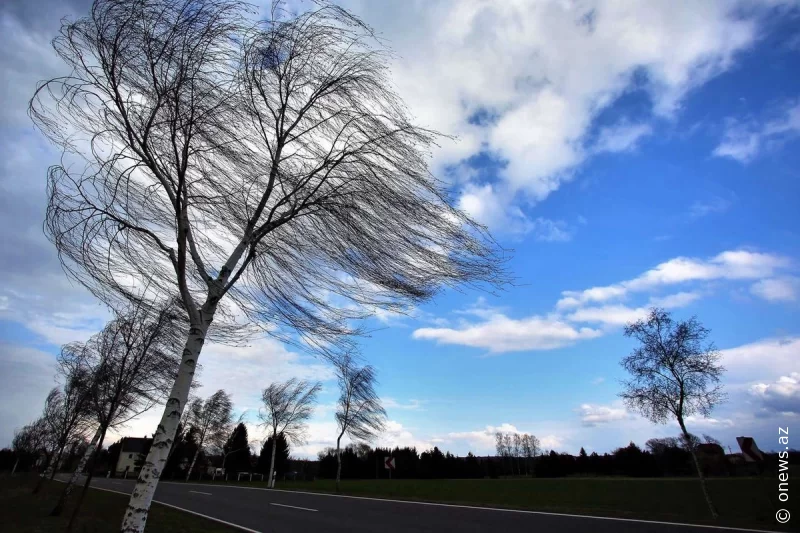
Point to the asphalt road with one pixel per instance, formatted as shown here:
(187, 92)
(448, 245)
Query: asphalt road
(276, 511)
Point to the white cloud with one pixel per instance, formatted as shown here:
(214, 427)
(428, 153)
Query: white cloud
(499, 333)
(744, 141)
(616, 315)
(539, 73)
(621, 138)
(482, 441)
(598, 380)
(680, 299)
(391, 403)
(503, 334)
(729, 265)
(698, 422)
(490, 206)
(26, 376)
(781, 289)
(781, 396)
(245, 372)
(593, 415)
(715, 205)
(761, 358)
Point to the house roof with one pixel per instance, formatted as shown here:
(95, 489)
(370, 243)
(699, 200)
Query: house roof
(135, 445)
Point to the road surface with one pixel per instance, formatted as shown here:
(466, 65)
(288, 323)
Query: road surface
(276, 511)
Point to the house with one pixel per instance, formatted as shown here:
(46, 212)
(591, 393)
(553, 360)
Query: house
(132, 454)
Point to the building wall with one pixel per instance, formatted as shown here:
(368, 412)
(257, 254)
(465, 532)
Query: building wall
(127, 460)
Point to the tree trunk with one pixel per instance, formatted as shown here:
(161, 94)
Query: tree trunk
(194, 460)
(700, 475)
(55, 464)
(139, 504)
(271, 481)
(89, 476)
(338, 463)
(43, 475)
(74, 477)
(16, 463)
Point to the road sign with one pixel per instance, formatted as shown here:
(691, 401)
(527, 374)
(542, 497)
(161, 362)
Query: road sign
(388, 463)
(750, 451)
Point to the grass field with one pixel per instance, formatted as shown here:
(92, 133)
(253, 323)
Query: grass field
(23, 512)
(742, 502)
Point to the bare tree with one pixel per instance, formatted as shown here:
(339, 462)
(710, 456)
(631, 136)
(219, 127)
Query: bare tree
(212, 420)
(517, 451)
(287, 407)
(129, 367)
(675, 373)
(253, 171)
(65, 415)
(30, 440)
(525, 449)
(499, 444)
(359, 413)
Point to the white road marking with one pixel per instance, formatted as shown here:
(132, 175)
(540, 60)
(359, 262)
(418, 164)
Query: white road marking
(476, 508)
(198, 492)
(294, 507)
(231, 524)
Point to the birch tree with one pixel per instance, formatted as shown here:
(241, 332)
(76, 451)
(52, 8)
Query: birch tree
(675, 373)
(359, 413)
(64, 416)
(129, 366)
(287, 407)
(211, 419)
(30, 441)
(266, 174)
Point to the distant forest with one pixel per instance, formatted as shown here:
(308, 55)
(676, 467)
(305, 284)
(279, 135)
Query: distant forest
(659, 458)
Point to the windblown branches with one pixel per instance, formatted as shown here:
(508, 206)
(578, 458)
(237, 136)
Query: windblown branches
(359, 412)
(273, 163)
(287, 406)
(134, 360)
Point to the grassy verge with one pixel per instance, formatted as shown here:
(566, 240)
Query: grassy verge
(23, 512)
(742, 502)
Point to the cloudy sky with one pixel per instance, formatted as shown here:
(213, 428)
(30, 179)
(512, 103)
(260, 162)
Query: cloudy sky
(631, 153)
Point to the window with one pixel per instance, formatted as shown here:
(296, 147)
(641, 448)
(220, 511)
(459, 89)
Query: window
(130, 456)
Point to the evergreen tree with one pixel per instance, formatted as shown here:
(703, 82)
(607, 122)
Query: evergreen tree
(237, 451)
(281, 456)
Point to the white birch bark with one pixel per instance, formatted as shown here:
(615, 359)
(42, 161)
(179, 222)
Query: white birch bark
(271, 482)
(139, 504)
(338, 462)
(194, 460)
(74, 477)
(711, 507)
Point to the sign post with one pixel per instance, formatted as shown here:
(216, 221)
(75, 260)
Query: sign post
(752, 454)
(388, 464)
(750, 451)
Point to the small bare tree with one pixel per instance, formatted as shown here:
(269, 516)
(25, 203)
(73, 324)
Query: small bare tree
(65, 416)
(359, 413)
(30, 441)
(211, 419)
(129, 366)
(675, 373)
(252, 170)
(287, 407)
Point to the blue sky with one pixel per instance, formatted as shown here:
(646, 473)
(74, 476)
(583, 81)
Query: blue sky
(630, 155)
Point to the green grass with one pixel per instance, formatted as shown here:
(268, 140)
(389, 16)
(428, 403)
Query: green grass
(741, 501)
(23, 512)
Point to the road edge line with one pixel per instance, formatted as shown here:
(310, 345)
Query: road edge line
(231, 524)
(479, 508)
